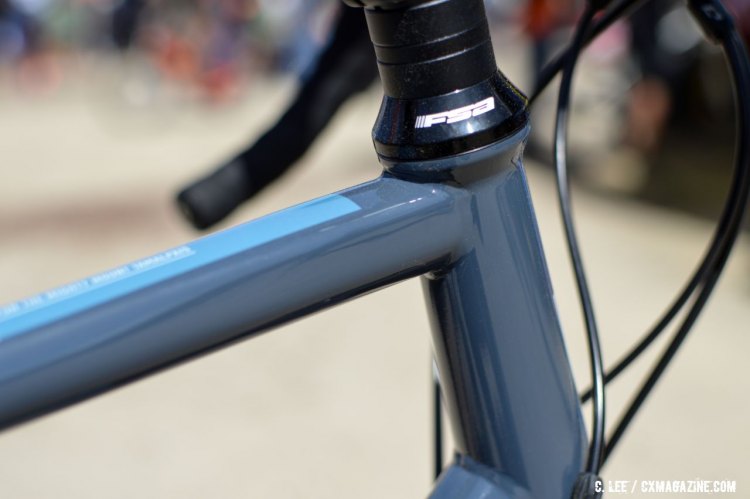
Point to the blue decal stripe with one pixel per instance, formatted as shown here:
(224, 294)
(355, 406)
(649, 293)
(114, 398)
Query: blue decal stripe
(76, 297)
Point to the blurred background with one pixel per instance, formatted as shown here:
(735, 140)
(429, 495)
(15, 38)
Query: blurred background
(110, 108)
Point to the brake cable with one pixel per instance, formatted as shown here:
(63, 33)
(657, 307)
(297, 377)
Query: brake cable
(596, 446)
(726, 232)
(719, 27)
(717, 24)
(614, 13)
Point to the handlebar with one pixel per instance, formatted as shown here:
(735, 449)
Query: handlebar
(345, 68)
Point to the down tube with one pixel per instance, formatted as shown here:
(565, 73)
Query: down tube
(85, 338)
(503, 366)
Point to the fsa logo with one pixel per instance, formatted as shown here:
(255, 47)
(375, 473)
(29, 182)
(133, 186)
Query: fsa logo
(456, 115)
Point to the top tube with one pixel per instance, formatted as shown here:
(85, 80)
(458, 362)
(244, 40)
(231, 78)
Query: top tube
(61, 302)
(220, 289)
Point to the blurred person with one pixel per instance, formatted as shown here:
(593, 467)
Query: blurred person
(17, 32)
(542, 20)
(741, 11)
(676, 118)
(223, 55)
(23, 44)
(127, 16)
(665, 45)
(202, 46)
(301, 28)
(32, 8)
(345, 67)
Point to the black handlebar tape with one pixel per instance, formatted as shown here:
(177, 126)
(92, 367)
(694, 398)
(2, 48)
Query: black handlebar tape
(347, 66)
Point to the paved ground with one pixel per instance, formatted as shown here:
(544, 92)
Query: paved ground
(337, 405)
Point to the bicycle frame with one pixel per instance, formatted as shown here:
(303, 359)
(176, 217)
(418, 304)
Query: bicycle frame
(468, 229)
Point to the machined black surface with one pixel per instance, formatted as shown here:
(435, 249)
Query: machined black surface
(384, 4)
(431, 48)
(449, 124)
(443, 93)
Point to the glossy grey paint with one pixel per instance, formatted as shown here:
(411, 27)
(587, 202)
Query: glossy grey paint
(466, 478)
(402, 230)
(466, 222)
(498, 344)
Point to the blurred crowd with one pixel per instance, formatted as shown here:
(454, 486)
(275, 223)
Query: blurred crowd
(665, 49)
(212, 45)
(669, 96)
(211, 50)
(209, 46)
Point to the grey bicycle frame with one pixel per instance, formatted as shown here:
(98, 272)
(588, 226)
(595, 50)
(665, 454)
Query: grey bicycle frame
(466, 226)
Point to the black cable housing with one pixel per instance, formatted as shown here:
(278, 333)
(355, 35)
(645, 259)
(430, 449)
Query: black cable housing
(713, 255)
(717, 22)
(618, 9)
(596, 447)
(718, 26)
